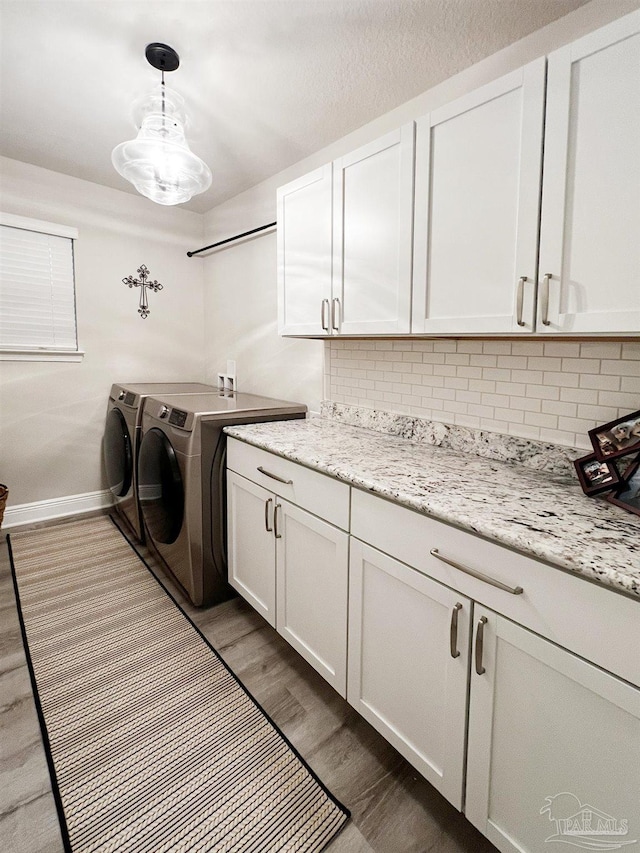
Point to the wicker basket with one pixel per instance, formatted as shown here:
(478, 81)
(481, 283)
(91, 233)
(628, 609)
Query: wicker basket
(4, 491)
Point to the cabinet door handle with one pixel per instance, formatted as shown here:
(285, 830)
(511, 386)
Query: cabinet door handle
(335, 323)
(453, 631)
(544, 296)
(480, 645)
(275, 522)
(514, 590)
(267, 504)
(274, 476)
(324, 322)
(520, 300)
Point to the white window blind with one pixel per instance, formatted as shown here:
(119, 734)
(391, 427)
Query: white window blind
(37, 286)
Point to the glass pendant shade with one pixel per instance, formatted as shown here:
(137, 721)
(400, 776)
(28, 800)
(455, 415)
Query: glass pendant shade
(159, 162)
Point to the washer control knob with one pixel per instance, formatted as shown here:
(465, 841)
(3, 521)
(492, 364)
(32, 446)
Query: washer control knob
(121, 395)
(164, 411)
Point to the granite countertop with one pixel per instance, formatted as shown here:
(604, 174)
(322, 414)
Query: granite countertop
(538, 514)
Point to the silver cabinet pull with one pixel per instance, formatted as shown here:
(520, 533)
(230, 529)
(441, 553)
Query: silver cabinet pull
(544, 296)
(335, 323)
(453, 631)
(520, 300)
(275, 522)
(480, 645)
(323, 321)
(274, 476)
(267, 504)
(514, 590)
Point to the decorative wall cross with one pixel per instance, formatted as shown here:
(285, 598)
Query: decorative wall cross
(143, 284)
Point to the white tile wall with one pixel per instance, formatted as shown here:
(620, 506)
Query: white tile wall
(552, 391)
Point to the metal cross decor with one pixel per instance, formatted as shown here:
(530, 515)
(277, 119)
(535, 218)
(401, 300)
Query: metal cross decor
(142, 283)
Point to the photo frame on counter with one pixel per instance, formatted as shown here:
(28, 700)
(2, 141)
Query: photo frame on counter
(628, 495)
(617, 438)
(596, 475)
(625, 464)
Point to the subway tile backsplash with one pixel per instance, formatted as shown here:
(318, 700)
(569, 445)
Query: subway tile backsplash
(548, 390)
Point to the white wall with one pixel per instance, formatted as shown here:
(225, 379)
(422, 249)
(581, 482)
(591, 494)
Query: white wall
(52, 414)
(241, 312)
(240, 282)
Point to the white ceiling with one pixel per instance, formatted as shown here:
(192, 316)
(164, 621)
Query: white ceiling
(266, 82)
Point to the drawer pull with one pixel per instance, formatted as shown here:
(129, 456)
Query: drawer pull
(514, 590)
(267, 504)
(453, 631)
(275, 522)
(275, 476)
(480, 645)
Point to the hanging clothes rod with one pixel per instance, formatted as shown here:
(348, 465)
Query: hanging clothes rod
(231, 239)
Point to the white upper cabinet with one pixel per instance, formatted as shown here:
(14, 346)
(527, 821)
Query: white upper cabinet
(344, 243)
(304, 254)
(590, 233)
(373, 210)
(500, 240)
(478, 164)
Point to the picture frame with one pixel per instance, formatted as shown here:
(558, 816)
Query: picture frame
(596, 475)
(628, 495)
(616, 438)
(624, 465)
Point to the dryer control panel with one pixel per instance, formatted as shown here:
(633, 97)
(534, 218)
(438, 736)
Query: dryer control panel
(177, 417)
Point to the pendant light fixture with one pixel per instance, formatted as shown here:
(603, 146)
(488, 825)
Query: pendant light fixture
(159, 162)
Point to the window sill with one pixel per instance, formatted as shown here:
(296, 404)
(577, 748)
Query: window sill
(40, 355)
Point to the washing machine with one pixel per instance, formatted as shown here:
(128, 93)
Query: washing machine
(122, 442)
(181, 482)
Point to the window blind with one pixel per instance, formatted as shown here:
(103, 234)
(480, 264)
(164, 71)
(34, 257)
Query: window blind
(37, 289)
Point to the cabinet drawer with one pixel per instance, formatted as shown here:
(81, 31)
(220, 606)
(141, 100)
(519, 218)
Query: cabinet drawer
(592, 621)
(321, 495)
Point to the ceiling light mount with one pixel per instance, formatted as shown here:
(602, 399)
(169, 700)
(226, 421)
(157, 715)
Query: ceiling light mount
(161, 56)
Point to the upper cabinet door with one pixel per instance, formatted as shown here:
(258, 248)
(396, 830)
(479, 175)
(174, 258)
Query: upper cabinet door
(590, 234)
(304, 254)
(478, 164)
(373, 209)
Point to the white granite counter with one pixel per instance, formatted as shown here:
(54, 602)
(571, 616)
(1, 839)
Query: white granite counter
(539, 514)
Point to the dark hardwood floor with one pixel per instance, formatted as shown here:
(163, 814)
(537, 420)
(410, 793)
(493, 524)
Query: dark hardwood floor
(394, 810)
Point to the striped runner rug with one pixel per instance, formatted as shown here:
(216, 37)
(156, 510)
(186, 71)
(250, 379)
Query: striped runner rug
(153, 743)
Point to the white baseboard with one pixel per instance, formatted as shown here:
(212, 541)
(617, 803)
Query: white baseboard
(16, 516)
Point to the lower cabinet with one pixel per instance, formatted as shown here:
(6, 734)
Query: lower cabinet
(292, 567)
(312, 565)
(408, 664)
(554, 745)
(472, 660)
(251, 544)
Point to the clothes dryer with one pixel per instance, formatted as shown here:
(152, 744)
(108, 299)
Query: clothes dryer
(121, 442)
(181, 482)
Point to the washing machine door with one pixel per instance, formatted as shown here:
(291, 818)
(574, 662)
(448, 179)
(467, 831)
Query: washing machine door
(118, 453)
(160, 488)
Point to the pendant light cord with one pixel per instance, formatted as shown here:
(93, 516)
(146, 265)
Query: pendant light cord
(163, 119)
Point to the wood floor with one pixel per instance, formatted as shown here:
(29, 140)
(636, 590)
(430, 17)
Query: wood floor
(393, 809)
